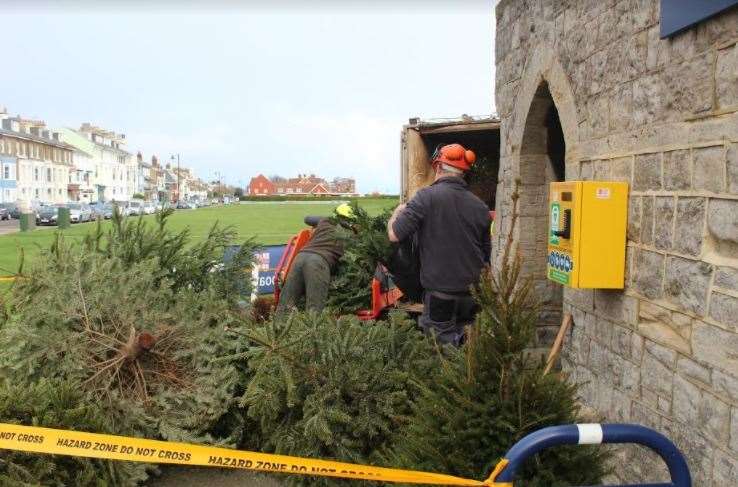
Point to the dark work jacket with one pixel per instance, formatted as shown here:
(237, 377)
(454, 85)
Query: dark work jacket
(453, 228)
(326, 243)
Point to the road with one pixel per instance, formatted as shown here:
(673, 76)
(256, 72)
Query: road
(9, 226)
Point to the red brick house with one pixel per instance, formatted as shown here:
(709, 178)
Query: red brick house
(261, 186)
(302, 185)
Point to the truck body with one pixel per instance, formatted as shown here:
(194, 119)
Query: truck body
(420, 138)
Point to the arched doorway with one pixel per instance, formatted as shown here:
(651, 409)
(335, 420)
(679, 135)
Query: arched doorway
(542, 160)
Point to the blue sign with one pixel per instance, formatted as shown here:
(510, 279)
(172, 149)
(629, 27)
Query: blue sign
(678, 15)
(266, 260)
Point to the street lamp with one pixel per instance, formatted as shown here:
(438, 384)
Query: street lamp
(178, 172)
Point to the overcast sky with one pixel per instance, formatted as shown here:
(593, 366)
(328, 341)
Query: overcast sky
(250, 89)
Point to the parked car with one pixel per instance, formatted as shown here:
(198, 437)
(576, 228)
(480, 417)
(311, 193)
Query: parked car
(79, 213)
(135, 208)
(9, 210)
(97, 210)
(47, 215)
(149, 208)
(183, 205)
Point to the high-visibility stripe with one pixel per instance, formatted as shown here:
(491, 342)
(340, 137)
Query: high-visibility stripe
(111, 447)
(590, 434)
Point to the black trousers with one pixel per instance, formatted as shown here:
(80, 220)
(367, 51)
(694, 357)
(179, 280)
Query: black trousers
(446, 315)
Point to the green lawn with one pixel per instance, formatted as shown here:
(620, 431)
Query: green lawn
(269, 223)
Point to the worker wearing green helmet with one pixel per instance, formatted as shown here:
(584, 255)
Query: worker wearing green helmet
(310, 275)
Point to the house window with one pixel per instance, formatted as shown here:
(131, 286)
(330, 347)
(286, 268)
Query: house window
(6, 172)
(48, 174)
(35, 174)
(48, 192)
(37, 193)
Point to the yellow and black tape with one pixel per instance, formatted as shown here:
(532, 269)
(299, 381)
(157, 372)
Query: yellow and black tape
(94, 445)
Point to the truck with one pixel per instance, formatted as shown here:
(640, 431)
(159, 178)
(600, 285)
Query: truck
(420, 138)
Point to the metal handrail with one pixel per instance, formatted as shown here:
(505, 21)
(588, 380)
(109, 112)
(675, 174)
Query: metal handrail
(594, 434)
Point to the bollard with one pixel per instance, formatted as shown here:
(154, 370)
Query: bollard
(27, 222)
(62, 219)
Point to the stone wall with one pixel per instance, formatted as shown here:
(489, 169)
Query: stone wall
(663, 116)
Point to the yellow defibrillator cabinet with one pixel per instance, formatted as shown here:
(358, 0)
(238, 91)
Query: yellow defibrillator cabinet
(586, 234)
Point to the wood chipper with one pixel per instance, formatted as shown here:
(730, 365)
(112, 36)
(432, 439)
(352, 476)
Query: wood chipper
(385, 293)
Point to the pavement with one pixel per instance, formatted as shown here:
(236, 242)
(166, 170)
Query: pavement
(9, 226)
(211, 477)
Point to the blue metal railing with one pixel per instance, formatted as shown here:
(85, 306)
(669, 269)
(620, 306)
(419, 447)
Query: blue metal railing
(595, 434)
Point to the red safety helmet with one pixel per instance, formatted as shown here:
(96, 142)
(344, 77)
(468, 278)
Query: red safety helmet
(454, 155)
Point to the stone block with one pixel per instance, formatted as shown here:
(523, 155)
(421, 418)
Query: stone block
(726, 77)
(724, 309)
(732, 168)
(655, 375)
(642, 414)
(636, 350)
(690, 217)
(726, 385)
(647, 220)
(715, 346)
(690, 369)
(634, 219)
(663, 326)
(699, 453)
(664, 222)
(658, 50)
(615, 305)
(709, 168)
(726, 278)
(725, 471)
(663, 405)
(688, 87)
(663, 354)
(686, 284)
(631, 378)
(715, 415)
(621, 108)
(647, 99)
(722, 223)
(677, 170)
(621, 341)
(621, 169)
(647, 172)
(619, 407)
(586, 170)
(648, 274)
(580, 298)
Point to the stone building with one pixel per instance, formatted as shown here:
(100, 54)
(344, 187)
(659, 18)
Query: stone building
(590, 90)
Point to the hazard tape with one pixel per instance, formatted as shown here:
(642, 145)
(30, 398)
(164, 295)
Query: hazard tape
(111, 447)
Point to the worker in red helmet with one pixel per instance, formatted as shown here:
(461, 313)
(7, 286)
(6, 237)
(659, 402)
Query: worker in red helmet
(453, 234)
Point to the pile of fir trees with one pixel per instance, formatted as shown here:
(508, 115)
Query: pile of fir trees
(383, 393)
(364, 248)
(117, 334)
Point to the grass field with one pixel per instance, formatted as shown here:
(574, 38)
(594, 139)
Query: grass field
(268, 222)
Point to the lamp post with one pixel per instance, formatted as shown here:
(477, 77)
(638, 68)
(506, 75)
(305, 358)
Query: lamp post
(178, 172)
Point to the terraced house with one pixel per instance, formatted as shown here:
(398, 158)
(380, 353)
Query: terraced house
(642, 91)
(35, 162)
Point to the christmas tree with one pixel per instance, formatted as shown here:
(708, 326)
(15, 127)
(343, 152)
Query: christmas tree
(334, 388)
(130, 321)
(489, 394)
(364, 248)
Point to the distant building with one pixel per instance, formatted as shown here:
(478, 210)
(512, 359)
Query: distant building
(302, 185)
(35, 163)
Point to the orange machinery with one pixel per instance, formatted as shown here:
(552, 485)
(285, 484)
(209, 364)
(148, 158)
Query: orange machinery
(384, 293)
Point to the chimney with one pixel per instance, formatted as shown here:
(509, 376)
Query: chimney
(139, 157)
(154, 161)
(36, 131)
